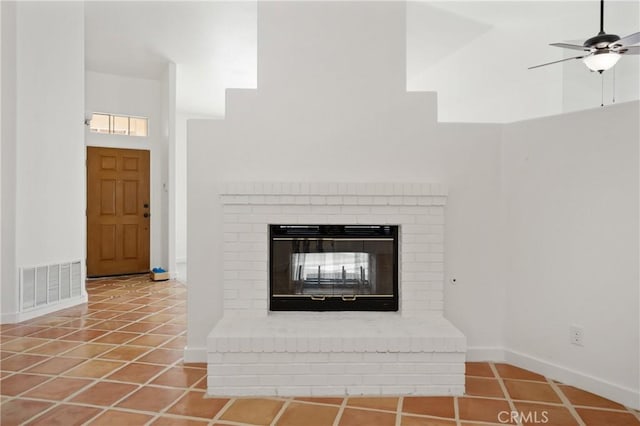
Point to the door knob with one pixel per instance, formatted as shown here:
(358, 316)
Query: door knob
(146, 215)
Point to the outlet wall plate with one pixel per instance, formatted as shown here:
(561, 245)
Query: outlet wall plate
(576, 335)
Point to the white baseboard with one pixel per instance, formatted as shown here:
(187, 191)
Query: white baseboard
(195, 354)
(9, 318)
(15, 317)
(620, 394)
(181, 269)
(485, 353)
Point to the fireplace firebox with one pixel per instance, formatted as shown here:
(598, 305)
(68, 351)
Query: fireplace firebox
(333, 267)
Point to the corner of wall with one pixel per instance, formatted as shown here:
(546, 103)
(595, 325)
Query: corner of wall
(8, 156)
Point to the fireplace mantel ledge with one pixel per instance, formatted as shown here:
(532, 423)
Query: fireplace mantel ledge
(335, 188)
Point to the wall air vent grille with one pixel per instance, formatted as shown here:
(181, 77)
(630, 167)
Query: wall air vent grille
(42, 276)
(76, 284)
(65, 278)
(50, 284)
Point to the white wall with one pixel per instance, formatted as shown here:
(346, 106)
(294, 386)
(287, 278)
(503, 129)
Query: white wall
(137, 97)
(43, 160)
(571, 185)
(350, 123)
(180, 161)
(50, 111)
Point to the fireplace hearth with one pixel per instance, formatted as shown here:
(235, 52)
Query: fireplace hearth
(333, 268)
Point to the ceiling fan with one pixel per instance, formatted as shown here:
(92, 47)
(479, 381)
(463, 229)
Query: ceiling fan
(602, 51)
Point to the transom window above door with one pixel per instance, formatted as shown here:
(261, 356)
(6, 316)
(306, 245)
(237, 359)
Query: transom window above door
(118, 124)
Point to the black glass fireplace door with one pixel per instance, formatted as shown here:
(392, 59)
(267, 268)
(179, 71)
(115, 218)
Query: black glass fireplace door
(334, 268)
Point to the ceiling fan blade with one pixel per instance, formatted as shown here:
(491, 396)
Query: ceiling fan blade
(555, 62)
(629, 40)
(631, 50)
(570, 46)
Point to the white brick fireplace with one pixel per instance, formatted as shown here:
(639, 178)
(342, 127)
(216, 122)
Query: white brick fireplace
(252, 351)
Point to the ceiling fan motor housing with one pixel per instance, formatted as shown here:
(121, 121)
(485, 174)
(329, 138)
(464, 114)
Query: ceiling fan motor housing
(601, 41)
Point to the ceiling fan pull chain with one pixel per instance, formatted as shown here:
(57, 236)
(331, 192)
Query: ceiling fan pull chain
(601, 89)
(613, 96)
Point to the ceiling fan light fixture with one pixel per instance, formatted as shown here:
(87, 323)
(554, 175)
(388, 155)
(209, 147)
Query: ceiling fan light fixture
(601, 61)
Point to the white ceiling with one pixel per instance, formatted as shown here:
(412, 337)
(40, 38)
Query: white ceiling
(473, 52)
(213, 45)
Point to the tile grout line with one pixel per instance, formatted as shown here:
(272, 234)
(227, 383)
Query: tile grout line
(399, 411)
(98, 414)
(79, 343)
(593, 407)
(172, 403)
(281, 412)
(124, 409)
(336, 421)
(232, 423)
(508, 378)
(434, 417)
(166, 415)
(300, 401)
(456, 411)
(224, 408)
(352, 407)
(512, 406)
(566, 402)
(138, 411)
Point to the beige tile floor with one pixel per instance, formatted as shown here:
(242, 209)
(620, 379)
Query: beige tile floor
(118, 361)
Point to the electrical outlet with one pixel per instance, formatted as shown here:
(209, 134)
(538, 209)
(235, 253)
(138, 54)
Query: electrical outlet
(576, 335)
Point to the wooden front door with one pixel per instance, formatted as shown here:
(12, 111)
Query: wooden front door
(118, 211)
